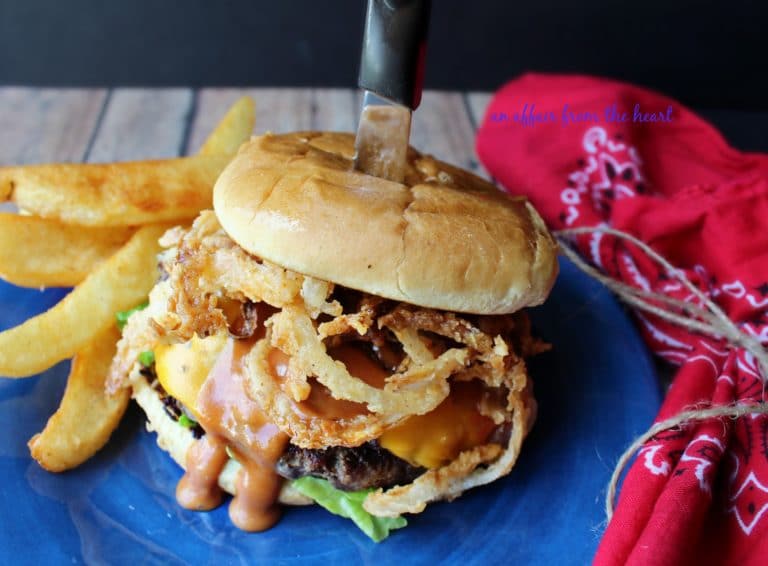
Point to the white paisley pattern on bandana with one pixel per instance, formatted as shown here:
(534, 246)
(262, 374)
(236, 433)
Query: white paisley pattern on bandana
(714, 457)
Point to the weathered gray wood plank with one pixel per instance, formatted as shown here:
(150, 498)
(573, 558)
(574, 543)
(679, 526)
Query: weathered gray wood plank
(55, 124)
(142, 124)
(210, 107)
(334, 109)
(477, 102)
(277, 110)
(442, 127)
(43, 125)
(282, 109)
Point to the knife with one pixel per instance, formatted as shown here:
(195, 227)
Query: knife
(391, 76)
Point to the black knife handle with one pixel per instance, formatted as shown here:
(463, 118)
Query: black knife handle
(394, 45)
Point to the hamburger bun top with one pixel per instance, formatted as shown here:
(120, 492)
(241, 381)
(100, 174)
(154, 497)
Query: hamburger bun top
(443, 239)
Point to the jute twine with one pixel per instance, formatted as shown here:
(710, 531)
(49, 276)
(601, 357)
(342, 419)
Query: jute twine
(707, 318)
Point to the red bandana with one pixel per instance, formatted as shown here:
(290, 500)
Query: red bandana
(589, 152)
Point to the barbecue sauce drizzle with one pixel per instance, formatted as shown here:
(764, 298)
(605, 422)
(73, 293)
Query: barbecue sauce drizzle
(231, 418)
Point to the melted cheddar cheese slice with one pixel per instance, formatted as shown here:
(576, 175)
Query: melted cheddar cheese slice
(183, 368)
(434, 439)
(430, 440)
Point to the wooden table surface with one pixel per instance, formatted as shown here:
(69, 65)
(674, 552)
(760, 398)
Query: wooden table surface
(99, 125)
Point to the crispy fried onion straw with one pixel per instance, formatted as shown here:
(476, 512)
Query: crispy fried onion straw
(204, 269)
(413, 392)
(464, 473)
(294, 332)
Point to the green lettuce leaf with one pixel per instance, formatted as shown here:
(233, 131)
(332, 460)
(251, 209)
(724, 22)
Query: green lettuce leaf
(121, 317)
(187, 422)
(147, 358)
(348, 504)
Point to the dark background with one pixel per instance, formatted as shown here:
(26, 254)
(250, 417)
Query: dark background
(710, 55)
(705, 53)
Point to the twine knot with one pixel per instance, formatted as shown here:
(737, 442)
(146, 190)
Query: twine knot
(708, 319)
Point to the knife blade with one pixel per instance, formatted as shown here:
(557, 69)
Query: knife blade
(381, 144)
(391, 71)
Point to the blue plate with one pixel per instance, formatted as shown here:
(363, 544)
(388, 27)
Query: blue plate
(596, 391)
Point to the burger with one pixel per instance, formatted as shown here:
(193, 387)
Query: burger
(328, 336)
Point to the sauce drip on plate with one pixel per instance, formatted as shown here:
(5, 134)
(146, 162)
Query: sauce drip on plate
(231, 418)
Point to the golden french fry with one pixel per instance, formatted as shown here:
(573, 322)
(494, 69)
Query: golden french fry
(38, 252)
(234, 128)
(87, 416)
(117, 284)
(115, 194)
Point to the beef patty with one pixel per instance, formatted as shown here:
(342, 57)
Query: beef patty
(350, 469)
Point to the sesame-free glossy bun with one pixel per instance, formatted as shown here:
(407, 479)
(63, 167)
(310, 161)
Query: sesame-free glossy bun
(443, 239)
